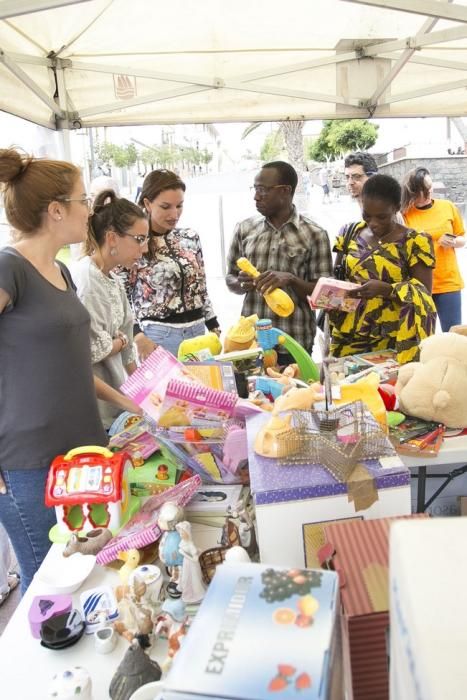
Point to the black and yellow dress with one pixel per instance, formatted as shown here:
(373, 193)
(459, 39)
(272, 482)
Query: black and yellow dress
(399, 322)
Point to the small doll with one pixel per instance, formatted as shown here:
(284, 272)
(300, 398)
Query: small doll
(191, 580)
(169, 515)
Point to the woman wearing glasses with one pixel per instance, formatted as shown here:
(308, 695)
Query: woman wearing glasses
(47, 388)
(117, 236)
(167, 288)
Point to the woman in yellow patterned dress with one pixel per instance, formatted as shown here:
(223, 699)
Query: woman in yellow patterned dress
(393, 265)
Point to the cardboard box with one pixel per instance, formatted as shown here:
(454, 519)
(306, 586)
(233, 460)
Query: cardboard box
(358, 551)
(261, 632)
(428, 597)
(288, 497)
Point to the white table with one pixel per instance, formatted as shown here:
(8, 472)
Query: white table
(26, 667)
(449, 463)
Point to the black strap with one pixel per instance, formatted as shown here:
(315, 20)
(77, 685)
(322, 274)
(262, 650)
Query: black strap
(349, 232)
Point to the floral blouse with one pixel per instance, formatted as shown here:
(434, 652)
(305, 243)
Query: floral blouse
(172, 284)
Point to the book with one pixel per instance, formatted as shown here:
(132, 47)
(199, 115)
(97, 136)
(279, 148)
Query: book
(215, 375)
(331, 294)
(377, 357)
(409, 429)
(415, 436)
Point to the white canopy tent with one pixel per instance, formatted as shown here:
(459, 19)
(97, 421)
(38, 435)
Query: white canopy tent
(68, 64)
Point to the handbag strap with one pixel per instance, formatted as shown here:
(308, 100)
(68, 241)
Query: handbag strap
(349, 232)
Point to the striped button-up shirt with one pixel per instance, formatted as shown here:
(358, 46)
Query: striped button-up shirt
(300, 247)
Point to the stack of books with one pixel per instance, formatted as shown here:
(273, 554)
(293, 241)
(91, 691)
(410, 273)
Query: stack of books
(415, 436)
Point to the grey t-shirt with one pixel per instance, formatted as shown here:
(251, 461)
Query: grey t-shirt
(48, 403)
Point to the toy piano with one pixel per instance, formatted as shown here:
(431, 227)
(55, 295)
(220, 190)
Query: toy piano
(89, 489)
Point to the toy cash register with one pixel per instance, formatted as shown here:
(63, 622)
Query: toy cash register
(89, 489)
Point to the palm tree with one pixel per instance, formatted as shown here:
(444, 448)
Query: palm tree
(292, 132)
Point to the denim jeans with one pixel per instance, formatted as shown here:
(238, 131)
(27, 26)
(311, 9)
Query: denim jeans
(26, 518)
(170, 337)
(449, 309)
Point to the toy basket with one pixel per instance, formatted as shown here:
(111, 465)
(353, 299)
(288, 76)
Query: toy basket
(208, 560)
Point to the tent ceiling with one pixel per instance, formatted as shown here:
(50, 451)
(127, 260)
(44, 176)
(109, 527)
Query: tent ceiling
(115, 62)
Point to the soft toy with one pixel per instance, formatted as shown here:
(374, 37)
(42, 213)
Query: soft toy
(242, 335)
(208, 341)
(435, 388)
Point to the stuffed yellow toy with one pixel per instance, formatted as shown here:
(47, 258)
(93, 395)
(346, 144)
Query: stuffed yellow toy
(242, 335)
(209, 341)
(365, 390)
(435, 388)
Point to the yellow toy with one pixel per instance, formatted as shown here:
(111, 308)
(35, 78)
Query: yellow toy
(298, 399)
(241, 336)
(365, 390)
(131, 559)
(267, 441)
(208, 341)
(278, 301)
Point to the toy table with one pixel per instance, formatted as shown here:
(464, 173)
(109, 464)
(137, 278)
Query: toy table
(288, 497)
(453, 453)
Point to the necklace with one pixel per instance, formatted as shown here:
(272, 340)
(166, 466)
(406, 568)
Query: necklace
(381, 238)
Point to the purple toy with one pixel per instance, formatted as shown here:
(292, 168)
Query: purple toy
(43, 607)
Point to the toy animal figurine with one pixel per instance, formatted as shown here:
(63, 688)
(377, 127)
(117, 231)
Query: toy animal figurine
(172, 623)
(298, 399)
(90, 543)
(191, 580)
(135, 616)
(131, 557)
(135, 669)
(169, 515)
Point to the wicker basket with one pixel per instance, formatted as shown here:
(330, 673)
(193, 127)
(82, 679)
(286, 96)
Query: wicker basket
(208, 560)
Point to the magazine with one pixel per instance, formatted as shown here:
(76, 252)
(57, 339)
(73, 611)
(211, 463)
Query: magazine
(331, 294)
(378, 357)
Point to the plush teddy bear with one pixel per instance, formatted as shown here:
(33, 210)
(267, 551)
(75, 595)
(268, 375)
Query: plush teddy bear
(436, 387)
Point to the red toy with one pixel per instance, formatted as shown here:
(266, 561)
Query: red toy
(89, 488)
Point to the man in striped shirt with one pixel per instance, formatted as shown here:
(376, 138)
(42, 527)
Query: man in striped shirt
(288, 248)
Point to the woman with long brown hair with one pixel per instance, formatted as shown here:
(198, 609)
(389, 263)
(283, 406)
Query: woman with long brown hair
(167, 288)
(47, 388)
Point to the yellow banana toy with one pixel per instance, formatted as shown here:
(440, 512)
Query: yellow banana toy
(277, 300)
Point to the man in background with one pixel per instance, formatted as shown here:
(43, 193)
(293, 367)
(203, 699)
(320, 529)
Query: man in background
(358, 167)
(289, 249)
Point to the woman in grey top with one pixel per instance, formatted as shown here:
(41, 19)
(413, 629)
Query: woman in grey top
(117, 235)
(47, 388)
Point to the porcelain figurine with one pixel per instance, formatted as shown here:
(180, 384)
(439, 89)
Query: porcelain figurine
(90, 543)
(131, 559)
(70, 684)
(172, 623)
(191, 579)
(135, 669)
(135, 617)
(169, 515)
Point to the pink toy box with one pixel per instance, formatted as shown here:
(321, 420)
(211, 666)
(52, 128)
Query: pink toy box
(331, 294)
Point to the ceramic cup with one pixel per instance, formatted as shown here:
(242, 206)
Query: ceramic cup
(105, 639)
(148, 691)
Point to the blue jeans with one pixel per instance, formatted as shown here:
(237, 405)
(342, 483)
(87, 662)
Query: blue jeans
(449, 308)
(170, 337)
(26, 518)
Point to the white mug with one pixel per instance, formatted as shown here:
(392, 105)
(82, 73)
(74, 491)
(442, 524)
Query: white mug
(105, 639)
